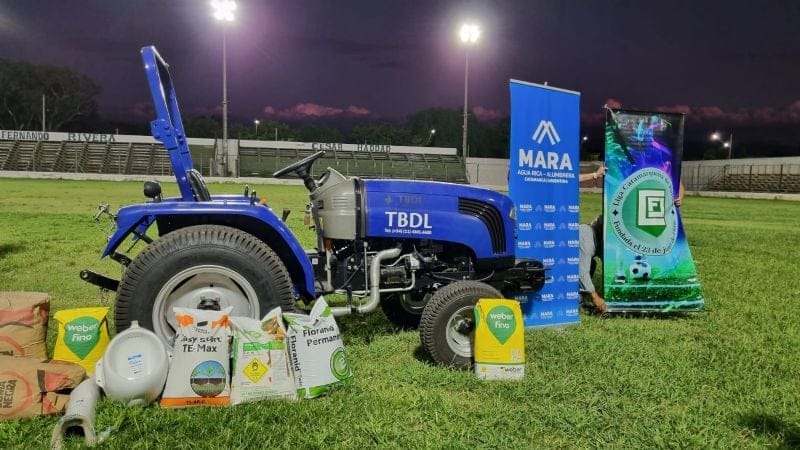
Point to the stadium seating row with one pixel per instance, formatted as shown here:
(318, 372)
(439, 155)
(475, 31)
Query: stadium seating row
(264, 161)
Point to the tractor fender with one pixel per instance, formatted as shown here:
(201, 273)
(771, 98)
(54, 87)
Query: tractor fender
(255, 219)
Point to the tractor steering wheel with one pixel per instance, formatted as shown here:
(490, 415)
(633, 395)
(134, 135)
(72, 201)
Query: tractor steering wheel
(302, 169)
(304, 164)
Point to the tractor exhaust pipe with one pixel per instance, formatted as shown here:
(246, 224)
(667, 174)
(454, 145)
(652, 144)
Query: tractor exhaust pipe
(374, 285)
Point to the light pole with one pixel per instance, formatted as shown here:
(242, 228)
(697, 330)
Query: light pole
(728, 144)
(469, 34)
(256, 122)
(223, 11)
(430, 137)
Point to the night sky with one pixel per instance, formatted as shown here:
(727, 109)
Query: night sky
(727, 63)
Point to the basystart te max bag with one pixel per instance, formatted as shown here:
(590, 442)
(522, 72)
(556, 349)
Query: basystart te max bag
(30, 388)
(260, 361)
(82, 336)
(316, 351)
(499, 340)
(198, 372)
(23, 324)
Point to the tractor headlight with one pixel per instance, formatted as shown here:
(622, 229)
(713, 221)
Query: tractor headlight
(513, 213)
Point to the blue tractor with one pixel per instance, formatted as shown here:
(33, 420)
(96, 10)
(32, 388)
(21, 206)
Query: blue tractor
(423, 251)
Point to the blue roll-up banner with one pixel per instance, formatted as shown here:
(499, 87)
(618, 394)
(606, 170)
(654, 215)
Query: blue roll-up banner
(543, 182)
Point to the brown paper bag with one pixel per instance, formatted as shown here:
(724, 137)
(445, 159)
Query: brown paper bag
(30, 388)
(23, 324)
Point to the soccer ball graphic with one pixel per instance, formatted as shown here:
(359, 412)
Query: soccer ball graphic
(639, 269)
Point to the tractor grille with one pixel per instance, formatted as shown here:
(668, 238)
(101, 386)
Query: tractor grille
(490, 216)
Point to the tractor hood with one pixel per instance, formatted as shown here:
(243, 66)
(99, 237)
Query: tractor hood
(479, 218)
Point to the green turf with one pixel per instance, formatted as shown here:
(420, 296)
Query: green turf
(724, 378)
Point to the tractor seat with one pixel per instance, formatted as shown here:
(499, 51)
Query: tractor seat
(198, 185)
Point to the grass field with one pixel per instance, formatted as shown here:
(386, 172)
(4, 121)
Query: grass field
(728, 377)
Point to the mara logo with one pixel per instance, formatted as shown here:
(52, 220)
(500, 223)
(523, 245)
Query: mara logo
(546, 130)
(573, 277)
(548, 297)
(550, 208)
(525, 207)
(572, 312)
(524, 226)
(524, 244)
(574, 208)
(540, 159)
(574, 243)
(549, 226)
(549, 244)
(549, 262)
(546, 315)
(572, 295)
(573, 261)
(574, 225)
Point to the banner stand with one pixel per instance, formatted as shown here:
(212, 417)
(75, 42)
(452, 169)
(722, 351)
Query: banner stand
(543, 182)
(647, 262)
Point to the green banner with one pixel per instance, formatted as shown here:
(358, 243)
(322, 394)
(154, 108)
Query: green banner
(647, 262)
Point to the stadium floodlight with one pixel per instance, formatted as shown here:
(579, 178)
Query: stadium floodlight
(256, 122)
(223, 11)
(728, 143)
(469, 34)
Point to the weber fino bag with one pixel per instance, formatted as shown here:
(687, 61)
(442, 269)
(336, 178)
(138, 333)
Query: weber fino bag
(82, 336)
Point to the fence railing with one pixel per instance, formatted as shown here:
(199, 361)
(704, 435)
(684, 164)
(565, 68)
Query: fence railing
(743, 178)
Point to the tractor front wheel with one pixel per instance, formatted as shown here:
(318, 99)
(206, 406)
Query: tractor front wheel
(201, 264)
(447, 327)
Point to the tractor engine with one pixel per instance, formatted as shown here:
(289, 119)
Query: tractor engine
(444, 233)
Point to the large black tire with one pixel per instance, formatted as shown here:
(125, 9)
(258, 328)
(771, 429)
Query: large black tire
(404, 309)
(447, 328)
(204, 261)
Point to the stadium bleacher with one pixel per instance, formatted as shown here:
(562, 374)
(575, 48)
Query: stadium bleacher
(139, 155)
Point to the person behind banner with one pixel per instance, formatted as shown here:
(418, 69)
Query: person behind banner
(591, 246)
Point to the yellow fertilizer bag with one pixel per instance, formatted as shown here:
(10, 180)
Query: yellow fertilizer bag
(82, 336)
(499, 340)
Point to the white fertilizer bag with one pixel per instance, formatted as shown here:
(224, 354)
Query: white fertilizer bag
(260, 362)
(198, 373)
(316, 351)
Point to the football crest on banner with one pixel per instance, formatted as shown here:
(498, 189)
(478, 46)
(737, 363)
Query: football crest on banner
(642, 212)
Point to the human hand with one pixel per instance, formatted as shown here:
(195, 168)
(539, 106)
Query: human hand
(677, 202)
(601, 171)
(599, 303)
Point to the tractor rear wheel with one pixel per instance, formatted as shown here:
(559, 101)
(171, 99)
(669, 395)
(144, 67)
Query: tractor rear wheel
(447, 327)
(201, 263)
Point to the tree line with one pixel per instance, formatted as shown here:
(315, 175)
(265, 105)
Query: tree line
(71, 106)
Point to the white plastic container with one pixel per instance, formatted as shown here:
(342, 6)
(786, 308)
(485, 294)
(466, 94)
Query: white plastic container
(134, 368)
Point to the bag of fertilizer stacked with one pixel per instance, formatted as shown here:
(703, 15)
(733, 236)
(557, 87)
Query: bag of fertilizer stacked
(260, 361)
(316, 351)
(499, 340)
(198, 372)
